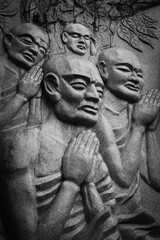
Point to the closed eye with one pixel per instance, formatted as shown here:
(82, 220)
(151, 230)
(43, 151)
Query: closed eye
(42, 50)
(100, 91)
(25, 40)
(74, 35)
(78, 85)
(123, 69)
(140, 75)
(86, 37)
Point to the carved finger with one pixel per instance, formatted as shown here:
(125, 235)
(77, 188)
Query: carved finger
(24, 77)
(40, 78)
(35, 70)
(80, 138)
(153, 97)
(84, 138)
(92, 146)
(157, 98)
(94, 169)
(148, 95)
(96, 148)
(89, 143)
(70, 146)
(32, 70)
(38, 74)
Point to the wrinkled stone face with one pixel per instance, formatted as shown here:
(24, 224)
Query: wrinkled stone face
(28, 47)
(78, 38)
(125, 77)
(81, 94)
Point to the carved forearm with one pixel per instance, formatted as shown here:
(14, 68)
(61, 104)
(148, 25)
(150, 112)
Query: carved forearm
(93, 201)
(12, 108)
(153, 159)
(52, 224)
(123, 167)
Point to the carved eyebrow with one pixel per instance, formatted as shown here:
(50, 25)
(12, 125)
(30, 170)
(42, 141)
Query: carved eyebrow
(99, 85)
(79, 34)
(33, 40)
(71, 77)
(124, 65)
(130, 66)
(26, 35)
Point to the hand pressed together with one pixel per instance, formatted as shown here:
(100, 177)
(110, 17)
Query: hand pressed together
(79, 157)
(29, 84)
(146, 110)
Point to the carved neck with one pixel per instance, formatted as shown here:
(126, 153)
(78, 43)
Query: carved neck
(114, 102)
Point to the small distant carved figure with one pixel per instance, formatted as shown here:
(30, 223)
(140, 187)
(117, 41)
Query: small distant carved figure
(55, 184)
(131, 118)
(78, 40)
(25, 46)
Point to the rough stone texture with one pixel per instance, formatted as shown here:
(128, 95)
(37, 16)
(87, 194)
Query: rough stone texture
(135, 26)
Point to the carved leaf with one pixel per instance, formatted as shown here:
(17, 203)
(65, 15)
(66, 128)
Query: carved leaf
(135, 43)
(152, 34)
(129, 23)
(141, 28)
(124, 33)
(148, 19)
(146, 40)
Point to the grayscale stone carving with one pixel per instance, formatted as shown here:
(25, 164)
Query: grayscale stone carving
(25, 46)
(54, 182)
(132, 120)
(125, 18)
(79, 157)
(79, 40)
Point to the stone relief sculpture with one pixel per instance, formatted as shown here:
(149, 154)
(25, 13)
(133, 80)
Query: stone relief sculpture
(45, 169)
(106, 19)
(25, 46)
(55, 173)
(131, 118)
(79, 40)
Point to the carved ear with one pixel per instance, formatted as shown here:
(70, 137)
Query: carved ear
(51, 85)
(102, 67)
(64, 37)
(8, 40)
(93, 47)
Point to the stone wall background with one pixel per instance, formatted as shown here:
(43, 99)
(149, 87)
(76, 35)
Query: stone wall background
(108, 23)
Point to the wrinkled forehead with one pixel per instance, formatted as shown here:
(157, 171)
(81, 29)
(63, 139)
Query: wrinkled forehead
(34, 32)
(84, 69)
(126, 57)
(77, 28)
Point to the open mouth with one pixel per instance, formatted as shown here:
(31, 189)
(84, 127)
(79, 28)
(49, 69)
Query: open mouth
(28, 57)
(81, 47)
(132, 87)
(89, 109)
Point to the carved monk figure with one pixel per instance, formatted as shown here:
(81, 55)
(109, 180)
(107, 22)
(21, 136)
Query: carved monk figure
(25, 46)
(78, 40)
(131, 118)
(55, 184)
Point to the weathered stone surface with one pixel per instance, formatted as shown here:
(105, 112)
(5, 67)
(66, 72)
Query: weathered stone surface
(54, 182)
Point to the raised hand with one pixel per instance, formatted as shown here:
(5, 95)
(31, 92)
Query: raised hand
(146, 111)
(29, 84)
(97, 160)
(79, 155)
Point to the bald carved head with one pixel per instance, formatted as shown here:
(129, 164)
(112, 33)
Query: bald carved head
(122, 73)
(79, 40)
(26, 44)
(75, 88)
